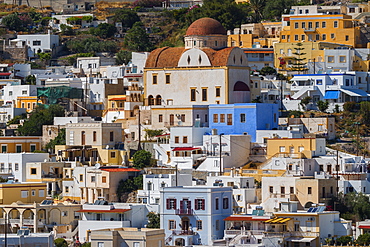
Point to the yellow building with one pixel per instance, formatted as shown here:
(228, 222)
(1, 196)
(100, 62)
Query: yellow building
(314, 52)
(20, 144)
(28, 102)
(340, 29)
(23, 192)
(295, 147)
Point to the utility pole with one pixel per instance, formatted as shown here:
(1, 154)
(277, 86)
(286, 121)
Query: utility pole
(221, 155)
(139, 124)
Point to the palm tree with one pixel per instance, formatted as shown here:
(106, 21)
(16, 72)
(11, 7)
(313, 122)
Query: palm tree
(257, 7)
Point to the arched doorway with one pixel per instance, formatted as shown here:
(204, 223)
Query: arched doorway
(180, 242)
(241, 93)
(158, 100)
(150, 100)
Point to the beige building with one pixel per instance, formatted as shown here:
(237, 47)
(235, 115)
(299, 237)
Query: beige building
(129, 237)
(316, 127)
(40, 217)
(24, 192)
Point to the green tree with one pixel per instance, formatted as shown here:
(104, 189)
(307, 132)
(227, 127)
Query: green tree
(142, 159)
(123, 57)
(344, 240)
(299, 63)
(153, 220)
(12, 22)
(39, 117)
(104, 30)
(305, 101)
(268, 71)
(129, 185)
(66, 29)
(60, 242)
(44, 56)
(60, 139)
(91, 45)
(296, 114)
(127, 17)
(149, 133)
(137, 39)
(322, 105)
(363, 239)
(86, 244)
(365, 112)
(257, 8)
(31, 80)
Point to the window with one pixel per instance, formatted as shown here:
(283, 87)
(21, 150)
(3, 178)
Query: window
(92, 179)
(324, 37)
(317, 24)
(291, 190)
(222, 118)
(113, 154)
(136, 244)
(271, 189)
(41, 193)
(199, 225)
(218, 91)
(242, 117)
(36, 42)
(204, 94)
(317, 36)
(330, 59)
(94, 136)
(171, 203)
(66, 189)
(310, 25)
(19, 148)
(111, 136)
(10, 93)
(217, 203)
(282, 36)
(103, 179)
(347, 37)
(217, 225)
(282, 149)
(33, 171)
(296, 25)
(177, 139)
(3, 148)
(160, 118)
(168, 78)
(229, 119)
(193, 92)
(303, 25)
(309, 190)
(101, 244)
(200, 204)
(24, 193)
(296, 37)
(184, 139)
(225, 203)
(81, 178)
(323, 24)
(16, 167)
(24, 92)
(342, 59)
(182, 118)
(332, 36)
(154, 79)
(149, 186)
(215, 118)
(303, 37)
(282, 190)
(206, 118)
(171, 224)
(335, 24)
(33, 147)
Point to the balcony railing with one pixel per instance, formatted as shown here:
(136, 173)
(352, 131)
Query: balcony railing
(244, 232)
(184, 211)
(182, 232)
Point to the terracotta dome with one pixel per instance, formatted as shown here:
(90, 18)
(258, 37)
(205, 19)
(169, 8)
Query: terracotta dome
(205, 26)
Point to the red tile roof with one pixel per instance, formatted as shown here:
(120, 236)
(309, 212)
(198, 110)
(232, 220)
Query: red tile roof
(206, 26)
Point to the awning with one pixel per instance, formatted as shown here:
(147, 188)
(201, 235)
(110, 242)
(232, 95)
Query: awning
(116, 210)
(278, 220)
(355, 92)
(300, 239)
(364, 227)
(185, 149)
(118, 99)
(5, 74)
(332, 95)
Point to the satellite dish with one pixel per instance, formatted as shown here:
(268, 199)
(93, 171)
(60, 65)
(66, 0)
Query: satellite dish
(97, 165)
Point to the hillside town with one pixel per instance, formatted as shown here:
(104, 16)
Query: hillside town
(184, 123)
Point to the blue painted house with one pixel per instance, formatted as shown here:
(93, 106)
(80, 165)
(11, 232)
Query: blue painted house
(237, 119)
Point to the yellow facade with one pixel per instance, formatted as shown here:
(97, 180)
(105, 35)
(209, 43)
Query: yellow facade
(28, 102)
(314, 52)
(340, 29)
(292, 147)
(248, 40)
(25, 192)
(20, 144)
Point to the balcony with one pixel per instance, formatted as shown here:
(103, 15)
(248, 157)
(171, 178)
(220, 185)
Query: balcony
(184, 211)
(182, 232)
(309, 30)
(244, 232)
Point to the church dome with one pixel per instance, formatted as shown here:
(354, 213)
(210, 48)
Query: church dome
(205, 26)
